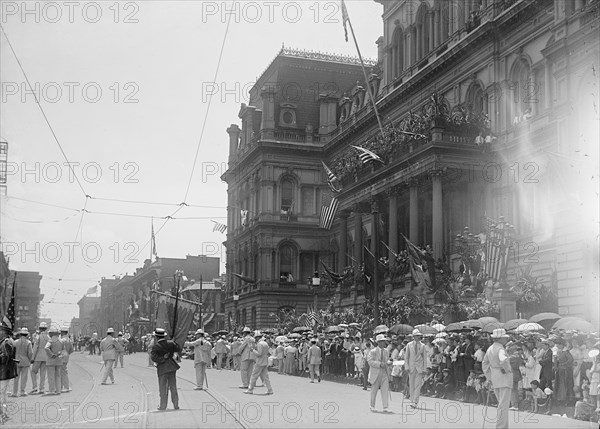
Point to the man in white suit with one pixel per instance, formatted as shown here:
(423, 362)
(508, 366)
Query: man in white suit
(379, 372)
(496, 367)
(415, 360)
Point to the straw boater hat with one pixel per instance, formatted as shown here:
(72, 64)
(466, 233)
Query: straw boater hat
(416, 332)
(24, 331)
(110, 331)
(499, 333)
(200, 332)
(381, 337)
(160, 333)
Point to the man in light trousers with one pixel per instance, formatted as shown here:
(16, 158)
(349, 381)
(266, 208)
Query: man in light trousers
(64, 373)
(415, 360)
(379, 372)
(108, 348)
(247, 357)
(313, 358)
(497, 369)
(261, 368)
(24, 354)
(202, 348)
(39, 360)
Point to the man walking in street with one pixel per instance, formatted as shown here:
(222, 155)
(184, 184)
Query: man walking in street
(235, 352)
(379, 372)
(497, 369)
(68, 349)
(415, 361)
(24, 354)
(202, 348)
(108, 348)
(164, 352)
(247, 357)
(54, 350)
(313, 358)
(221, 351)
(261, 369)
(39, 360)
(121, 347)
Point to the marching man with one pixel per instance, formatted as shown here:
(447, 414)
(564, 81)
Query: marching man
(314, 360)
(202, 349)
(108, 347)
(379, 361)
(261, 367)
(54, 349)
(496, 367)
(415, 361)
(24, 355)
(39, 360)
(247, 357)
(121, 347)
(68, 349)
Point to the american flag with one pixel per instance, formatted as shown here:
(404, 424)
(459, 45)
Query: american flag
(311, 319)
(496, 247)
(331, 177)
(221, 227)
(345, 18)
(366, 155)
(153, 241)
(328, 214)
(9, 318)
(416, 262)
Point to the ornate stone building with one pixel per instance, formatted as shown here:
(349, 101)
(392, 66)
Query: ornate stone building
(490, 108)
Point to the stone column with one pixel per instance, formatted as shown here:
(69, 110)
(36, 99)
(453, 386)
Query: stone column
(343, 241)
(437, 28)
(431, 30)
(437, 226)
(358, 235)
(393, 227)
(507, 302)
(234, 138)
(413, 227)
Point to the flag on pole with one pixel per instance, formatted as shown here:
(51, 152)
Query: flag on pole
(9, 318)
(331, 177)
(335, 277)
(345, 19)
(221, 227)
(328, 214)
(92, 290)
(418, 266)
(366, 155)
(153, 242)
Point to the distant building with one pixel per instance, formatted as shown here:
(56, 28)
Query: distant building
(89, 316)
(108, 304)
(28, 298)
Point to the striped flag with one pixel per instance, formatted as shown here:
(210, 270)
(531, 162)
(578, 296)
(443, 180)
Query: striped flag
(9, 318)
(311, 319)
(331, 177)
(221, 227)
(328, 214)
(345, 19)
(366, 155)
(496, 247)
(419, 273)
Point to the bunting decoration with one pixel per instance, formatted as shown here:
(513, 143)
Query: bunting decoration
(366, 155)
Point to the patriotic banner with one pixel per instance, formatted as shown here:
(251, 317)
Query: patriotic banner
(186, 310)
(221, 227)
(335, 277)
(417, 266)
(331, 178)
(92, 290)
(496, 246)
(366, 155)
(328, 214)
(345, 18)
(9, 318)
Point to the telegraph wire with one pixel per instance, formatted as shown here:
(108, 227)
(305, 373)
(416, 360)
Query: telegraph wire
(208, 105)
(79, 228)
(39, 221)
(42, 110)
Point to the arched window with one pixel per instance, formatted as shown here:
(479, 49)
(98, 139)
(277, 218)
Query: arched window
(523, 91)
(422, 26)
(397, 53)
(287, 263)
(287, 195)
(477, 99)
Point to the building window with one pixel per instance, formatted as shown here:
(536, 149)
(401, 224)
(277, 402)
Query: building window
(253, 317)
(476, 99)
(397, 53)
(287, 255)
(308, 201)
(287, 195)
(523, 89)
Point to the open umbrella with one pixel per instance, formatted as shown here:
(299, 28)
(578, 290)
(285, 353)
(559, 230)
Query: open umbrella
(221, 332)
(473, 324)
(487, 319)
(381, 329)
(541, 317)
(456, 327)
(529, 327)
(271, 331)
(354, 325)
(281, 339)
(401, 329)
(343, 325)
(440, 335)
(294, 335)
(426, 329)
(332, 329)
(490, 326)
(512, 324)
(439, 327)
(301, 329)
(574, 324)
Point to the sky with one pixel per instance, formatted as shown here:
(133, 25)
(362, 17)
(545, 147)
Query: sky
(130, 94)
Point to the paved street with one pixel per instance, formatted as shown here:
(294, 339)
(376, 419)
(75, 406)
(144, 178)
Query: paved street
(131, 403)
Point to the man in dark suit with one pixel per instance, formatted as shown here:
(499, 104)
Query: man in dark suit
(547, 372)
(164, 353)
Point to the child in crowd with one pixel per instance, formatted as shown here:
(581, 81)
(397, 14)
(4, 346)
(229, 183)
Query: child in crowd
(470, 392)
(535, 395)
(428, 382)
(445, 386)
(358, 362)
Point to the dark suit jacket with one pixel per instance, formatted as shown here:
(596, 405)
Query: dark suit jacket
(162, 353)
(547, 371)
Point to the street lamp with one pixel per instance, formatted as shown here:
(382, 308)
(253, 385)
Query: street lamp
(236, 298)
(315, 282)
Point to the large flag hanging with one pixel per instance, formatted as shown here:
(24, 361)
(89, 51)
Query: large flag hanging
(153, 242)
(221, 227)
(496, 247)
(92, 290)
(331, 178)
(311, 318)
(244, 217)
(186, 310)
(419, 268)
(345, 19)
(328, 214)
(366, 155)
(244, 278)
(9, 318)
